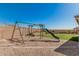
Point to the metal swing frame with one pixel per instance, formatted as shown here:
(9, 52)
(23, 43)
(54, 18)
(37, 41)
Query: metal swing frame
(29, 29)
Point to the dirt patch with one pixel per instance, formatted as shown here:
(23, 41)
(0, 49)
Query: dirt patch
(35, 48)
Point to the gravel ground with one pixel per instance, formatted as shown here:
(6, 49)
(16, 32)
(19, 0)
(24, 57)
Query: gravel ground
(37, 48)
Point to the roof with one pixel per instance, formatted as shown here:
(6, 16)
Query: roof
(77, 18)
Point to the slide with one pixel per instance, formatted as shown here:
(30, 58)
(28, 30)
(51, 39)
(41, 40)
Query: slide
(56, 38)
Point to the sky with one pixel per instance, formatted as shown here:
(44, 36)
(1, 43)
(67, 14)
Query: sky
(53, 15)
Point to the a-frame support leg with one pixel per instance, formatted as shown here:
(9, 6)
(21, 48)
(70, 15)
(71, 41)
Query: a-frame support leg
(21, 34)
(13, 31)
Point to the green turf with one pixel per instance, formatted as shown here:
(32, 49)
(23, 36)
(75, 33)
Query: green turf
(71, 37)
(65, 36)
(61, 36)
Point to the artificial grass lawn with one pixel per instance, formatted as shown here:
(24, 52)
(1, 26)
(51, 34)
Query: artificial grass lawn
(65, 36)
(61, 36)
(71, 37)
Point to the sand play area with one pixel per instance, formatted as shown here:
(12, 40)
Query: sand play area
(35, 47)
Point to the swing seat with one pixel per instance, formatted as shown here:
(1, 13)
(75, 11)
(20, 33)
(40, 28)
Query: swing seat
(30, 34)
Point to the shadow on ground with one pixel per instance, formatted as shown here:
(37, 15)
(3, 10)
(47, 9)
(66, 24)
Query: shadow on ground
(52, 40)
(32, 40)
(69, 48)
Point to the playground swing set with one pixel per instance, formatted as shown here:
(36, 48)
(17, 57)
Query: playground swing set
(30, 30)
